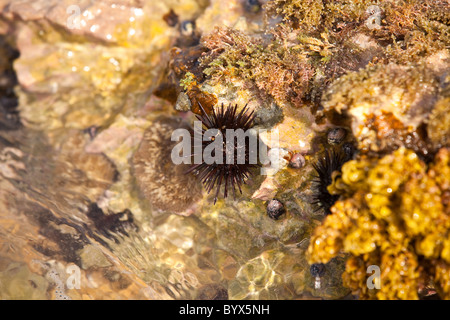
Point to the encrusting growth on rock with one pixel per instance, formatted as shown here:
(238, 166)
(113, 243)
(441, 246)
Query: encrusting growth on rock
(394, 215)
(164, 184)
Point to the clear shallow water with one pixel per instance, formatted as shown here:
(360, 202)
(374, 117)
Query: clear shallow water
(73, 224)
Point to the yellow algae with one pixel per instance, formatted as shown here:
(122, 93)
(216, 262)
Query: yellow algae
(394, 216)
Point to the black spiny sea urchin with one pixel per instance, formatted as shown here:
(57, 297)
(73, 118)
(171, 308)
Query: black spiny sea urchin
(332, 160)
(232, 174)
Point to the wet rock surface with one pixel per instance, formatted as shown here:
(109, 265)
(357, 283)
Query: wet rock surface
(90, 93)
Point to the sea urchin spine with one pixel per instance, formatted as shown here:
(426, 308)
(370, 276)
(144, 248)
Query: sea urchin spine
(332, 160)
(230, 175)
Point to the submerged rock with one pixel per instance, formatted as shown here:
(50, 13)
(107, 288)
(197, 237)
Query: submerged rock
(438, 123)
(165, 185)
(386, 104)
(84, 62)
(87, 178)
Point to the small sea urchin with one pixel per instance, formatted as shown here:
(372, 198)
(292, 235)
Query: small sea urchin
(332, 160)
(223, 172)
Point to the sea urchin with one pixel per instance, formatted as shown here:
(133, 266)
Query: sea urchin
(332, 160)
(226, 173)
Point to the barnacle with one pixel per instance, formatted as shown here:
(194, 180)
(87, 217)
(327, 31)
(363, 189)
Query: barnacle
(392, 215)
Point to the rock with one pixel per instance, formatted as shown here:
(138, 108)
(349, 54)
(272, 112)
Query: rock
(267, 190)
(294, 133)
(183, 103)
(92, 256)
(274, 273)
(164, 184)
(229, 13)
(387, 104)
(81, 76)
